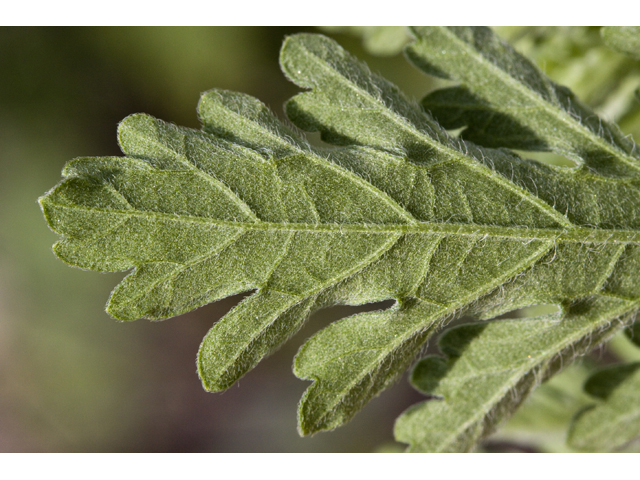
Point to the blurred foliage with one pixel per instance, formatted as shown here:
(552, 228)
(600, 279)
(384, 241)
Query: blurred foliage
(384, 41)
(579, 58)
(73, 379)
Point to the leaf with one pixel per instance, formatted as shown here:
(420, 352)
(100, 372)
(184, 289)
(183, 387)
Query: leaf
(349, 105)
(506, 101)
(399, 210)
(491, 367)
(203, 218)
(623, 39)
(615, 420)
(542, 420)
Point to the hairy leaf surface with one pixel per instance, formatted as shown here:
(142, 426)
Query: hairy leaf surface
(349, 105)
(615, 420)
(398, 210)
(504, 100)
(491, 367)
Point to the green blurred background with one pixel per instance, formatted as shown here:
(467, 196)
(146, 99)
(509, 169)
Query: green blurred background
(72, 378)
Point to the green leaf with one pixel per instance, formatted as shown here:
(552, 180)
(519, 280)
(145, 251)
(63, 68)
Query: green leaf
(615, 420)
(349, 105)
(506, 101)
(543, 419)
(623, 39)
(491, 367)
(399, 210)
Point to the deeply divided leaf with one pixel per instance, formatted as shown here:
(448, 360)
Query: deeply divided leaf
(397, 210)
(504, 100)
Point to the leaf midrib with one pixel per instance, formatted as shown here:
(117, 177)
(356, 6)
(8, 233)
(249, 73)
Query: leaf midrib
(450, 152)
(567, 235)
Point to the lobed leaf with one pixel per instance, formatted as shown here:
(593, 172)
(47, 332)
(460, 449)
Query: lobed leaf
(399, 210)
(504, 100)
(342, 86)
(491, 367)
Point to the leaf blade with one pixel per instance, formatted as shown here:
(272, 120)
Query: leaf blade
(543, 114)
(400, 211)
(491, 369)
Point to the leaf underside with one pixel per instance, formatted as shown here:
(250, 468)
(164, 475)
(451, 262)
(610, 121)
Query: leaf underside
(397, 209)
(505, 100)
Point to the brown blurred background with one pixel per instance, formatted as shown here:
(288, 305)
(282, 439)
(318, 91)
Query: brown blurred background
(72, 378)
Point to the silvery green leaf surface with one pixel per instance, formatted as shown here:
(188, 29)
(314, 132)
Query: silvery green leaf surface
(491, 367)
(397, 210)
(613, 422)
(504, 100)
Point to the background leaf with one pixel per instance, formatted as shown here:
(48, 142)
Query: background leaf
(506, 101)
(614, 421)
(623, 39)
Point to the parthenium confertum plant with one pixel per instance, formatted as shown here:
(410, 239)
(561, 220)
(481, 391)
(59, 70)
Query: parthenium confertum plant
(397, 208)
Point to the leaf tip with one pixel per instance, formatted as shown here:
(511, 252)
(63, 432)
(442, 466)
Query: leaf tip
(118, 311)
(130, 130)
(210, 382)
(297, 56)
(306, 426)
